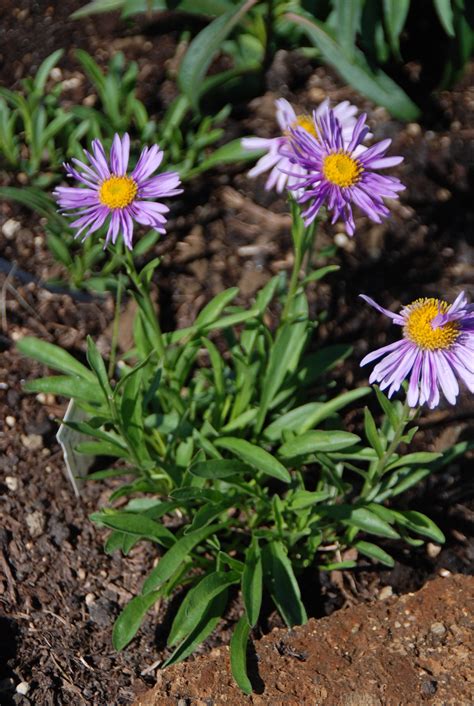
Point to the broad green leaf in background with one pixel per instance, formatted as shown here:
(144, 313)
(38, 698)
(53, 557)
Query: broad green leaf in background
(374, 84)
(203, 48)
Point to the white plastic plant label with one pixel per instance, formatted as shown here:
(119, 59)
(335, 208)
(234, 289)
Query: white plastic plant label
(77, 465)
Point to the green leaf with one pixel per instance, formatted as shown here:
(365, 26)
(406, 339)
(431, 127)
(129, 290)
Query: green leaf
(174, 557)
(219, 468)
(374, 552)
(45, 69)
(320, 273)
(130, 619)
(314, 441)
(207, 624)
(238, 655)
(316, 364)
(193, 608)
(59, 249)
(54, 357)
(215, 307)
(282, 584)
(395, 15)
(294, 420)
(414, 458)
(372, 433)
(252, 582)
(66, 386)
(284, 353)
(98, 366)
(374, 84)
(302, 499)
(207, 514)
(445, 13)
(328, 408)
(388, 407)
(97, 6)
(204, 46)
(419, 523)
(101, 448)
(364, 519)
(348, 16)
(227, 154)
(139, 525)
(369, 522)
(255, 456)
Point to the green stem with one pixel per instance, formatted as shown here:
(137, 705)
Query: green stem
(146, 306)
(391, 448)
(115, 328)
(294, 283)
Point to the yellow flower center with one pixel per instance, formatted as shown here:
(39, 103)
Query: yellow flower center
(307, 123)
(341, 169)
(118, 191)
(418, 327)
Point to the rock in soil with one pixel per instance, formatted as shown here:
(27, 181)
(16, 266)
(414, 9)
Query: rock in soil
(406, 651)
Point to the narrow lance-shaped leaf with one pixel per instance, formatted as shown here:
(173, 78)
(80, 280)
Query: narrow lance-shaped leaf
(376, 85)
(372, 433)
(173, 558)
(204, 46)
(238, 655)
(252, 582)
(130, 619)
(255, 456)
(194, 605)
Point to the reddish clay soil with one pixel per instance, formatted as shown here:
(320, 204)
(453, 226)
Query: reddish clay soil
(413, 650)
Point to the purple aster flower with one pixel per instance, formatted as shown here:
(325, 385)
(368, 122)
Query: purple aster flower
(338, 172)
(287, 118)
(110, 191)
(437, 346)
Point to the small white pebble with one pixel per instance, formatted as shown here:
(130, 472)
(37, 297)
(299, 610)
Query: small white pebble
(22, 688)
(437, 629)
(385, 593)
(56, 73)
(33, 442)
(432, 550)
(10, 421)
(90, 599)
(81, 574)
(12, 483)
(444, 573)
(10, 228)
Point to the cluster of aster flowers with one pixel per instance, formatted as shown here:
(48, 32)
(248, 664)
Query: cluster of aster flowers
(324, 160)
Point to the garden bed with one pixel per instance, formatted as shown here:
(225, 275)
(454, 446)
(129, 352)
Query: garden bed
(59, 592)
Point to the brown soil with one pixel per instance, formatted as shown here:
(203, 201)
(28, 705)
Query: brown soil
(404, 652)
(59, 592)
